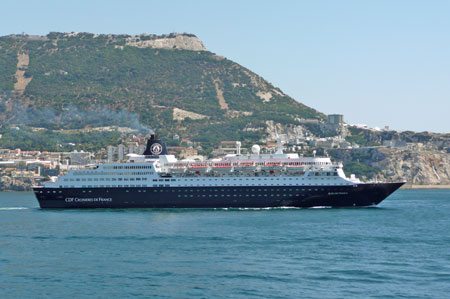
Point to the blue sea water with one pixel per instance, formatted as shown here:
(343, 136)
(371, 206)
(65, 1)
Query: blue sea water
(400, 249)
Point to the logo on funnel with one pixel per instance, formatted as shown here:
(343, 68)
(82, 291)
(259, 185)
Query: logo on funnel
(156, 148)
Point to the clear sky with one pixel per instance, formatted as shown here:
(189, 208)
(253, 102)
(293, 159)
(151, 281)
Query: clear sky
(377, 62)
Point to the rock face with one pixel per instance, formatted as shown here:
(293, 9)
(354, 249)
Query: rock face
(428, 167)
(178, 41)
(179, 114)
(285, 132)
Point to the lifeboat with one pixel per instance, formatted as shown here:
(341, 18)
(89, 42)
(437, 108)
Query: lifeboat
(177, 168)
(222, 166)
(294, 166)
(198, 167)
(272, 166)
(244, 166)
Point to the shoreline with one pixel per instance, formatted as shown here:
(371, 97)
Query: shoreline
(418, 187)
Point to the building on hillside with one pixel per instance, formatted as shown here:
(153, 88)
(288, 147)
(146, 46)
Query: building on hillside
(141, 149)
(132, 148)
(336, 119)
(110, 153)
(188, 152)
(228, 147)
(335, 126)
(80, 158)
(121, 152)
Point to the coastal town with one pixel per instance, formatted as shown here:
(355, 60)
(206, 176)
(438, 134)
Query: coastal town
(21, 169)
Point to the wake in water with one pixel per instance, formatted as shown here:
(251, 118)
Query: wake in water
(13, 208)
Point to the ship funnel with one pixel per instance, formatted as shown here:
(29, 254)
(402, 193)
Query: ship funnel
(155, 147)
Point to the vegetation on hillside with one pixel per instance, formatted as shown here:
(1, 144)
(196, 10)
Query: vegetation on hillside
(48, 140)
(98, 73)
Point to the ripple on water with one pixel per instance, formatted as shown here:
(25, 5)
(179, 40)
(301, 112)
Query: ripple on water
(397, 250)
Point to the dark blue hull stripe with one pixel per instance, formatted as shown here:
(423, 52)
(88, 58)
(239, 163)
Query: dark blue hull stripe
(215, 197)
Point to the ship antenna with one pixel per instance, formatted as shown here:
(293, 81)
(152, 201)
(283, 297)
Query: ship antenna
(279, 145)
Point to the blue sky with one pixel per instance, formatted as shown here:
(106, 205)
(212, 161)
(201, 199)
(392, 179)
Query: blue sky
(377, 62)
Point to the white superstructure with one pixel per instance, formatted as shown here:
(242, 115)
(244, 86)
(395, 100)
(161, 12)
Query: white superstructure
(277, 169)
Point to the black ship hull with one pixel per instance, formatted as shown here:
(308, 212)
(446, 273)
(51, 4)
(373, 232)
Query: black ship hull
(360, 195)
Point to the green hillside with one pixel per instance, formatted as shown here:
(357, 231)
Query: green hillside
(173, 90)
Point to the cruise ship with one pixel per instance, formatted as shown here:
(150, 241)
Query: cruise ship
(156, 179)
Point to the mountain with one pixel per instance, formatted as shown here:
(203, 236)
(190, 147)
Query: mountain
(169, 83)
(65, 91)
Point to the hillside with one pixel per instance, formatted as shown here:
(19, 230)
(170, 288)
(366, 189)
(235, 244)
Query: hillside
(169, 83)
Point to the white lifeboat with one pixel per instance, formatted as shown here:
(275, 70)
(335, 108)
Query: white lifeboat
(177, 167)
(222, 166)
(272, 166)
(198, 167)
(244, 166)
(294, 166)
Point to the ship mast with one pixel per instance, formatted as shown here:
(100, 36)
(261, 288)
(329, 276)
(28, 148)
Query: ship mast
(279, 143)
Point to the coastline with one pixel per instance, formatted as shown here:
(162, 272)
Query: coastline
(411, 186)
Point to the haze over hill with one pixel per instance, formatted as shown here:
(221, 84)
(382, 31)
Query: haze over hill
(171, 83)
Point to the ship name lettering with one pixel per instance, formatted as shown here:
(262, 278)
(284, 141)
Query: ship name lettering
(88, 199)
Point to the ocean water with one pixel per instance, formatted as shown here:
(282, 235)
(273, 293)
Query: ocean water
(400, 249)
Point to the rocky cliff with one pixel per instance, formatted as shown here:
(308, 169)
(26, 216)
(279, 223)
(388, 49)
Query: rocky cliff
(416, 166)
